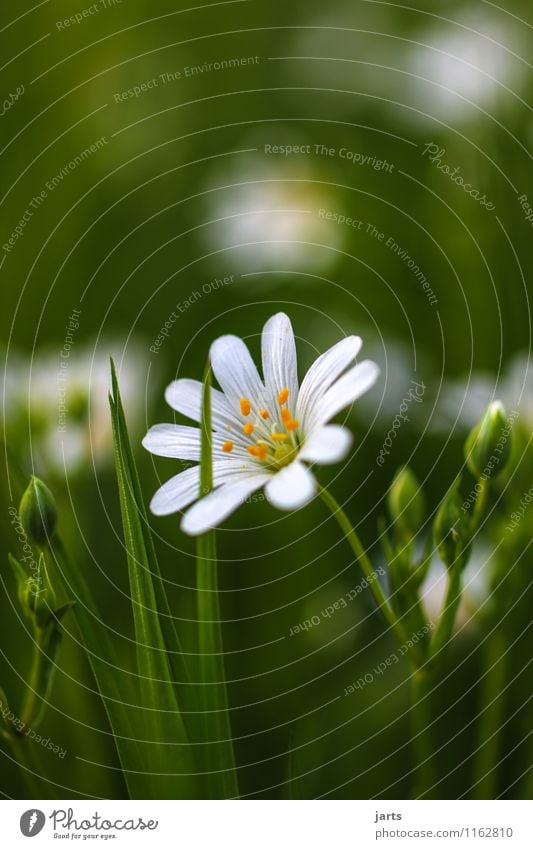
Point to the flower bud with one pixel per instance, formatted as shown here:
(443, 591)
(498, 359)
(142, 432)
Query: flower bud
(34, 590)
(407, 505)
(488, 445)
(451, 532)
(38, 512)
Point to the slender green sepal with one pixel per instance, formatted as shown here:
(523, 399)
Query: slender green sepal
(21, 577)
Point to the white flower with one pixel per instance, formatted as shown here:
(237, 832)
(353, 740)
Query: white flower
(265, 433)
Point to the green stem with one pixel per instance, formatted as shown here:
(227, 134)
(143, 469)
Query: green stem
(492, 700)
(221, 777)
(24, 757)
(420, 707)
(29, 705)
(369, 572)
(425, 777)
(444, 629)
(219, 755)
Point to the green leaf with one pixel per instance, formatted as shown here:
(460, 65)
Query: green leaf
(117, 686)
(169, 756)
(168, 627)
(219, 760)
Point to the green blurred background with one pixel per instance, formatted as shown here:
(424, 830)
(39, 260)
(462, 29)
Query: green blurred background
(181, 191)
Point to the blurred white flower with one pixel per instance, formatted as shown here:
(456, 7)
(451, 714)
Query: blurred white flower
(401, 369)
(475, 583)
(461, 403)
(466, 63)
(267, 215)
(57, 411)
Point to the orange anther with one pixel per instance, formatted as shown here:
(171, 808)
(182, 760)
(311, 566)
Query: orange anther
(227, 446)
(248, 429)
(245, 406)
(259, 451)
(283, 395)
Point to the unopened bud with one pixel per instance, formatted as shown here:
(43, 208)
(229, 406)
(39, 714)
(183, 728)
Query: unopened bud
(451, 532)
(488, 445)
(38, 512)
(406, 503)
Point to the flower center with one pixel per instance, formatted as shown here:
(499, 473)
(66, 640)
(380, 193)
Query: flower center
(273, 433)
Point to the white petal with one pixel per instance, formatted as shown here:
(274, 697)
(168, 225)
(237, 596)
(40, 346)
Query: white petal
(235, 371)
(344, 392)
(176, 493)
(185, 396)
(278, 350)
(170, 440)
(292, 487)
(328, 444)
(324, 371)
(184, 488)
(219, 504)
(184, 443)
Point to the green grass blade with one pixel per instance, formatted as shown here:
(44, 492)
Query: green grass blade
(117, 687)
(168, 627)
(169, 756)
(221, 778)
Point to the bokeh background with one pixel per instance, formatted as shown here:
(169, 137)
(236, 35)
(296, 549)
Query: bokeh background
(139, 164)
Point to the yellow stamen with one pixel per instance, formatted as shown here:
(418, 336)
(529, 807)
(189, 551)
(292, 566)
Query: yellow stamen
(285, 414)
(283, 395)
(263, 413)
(227, 446)
(292, 424)
(248, 429)
(245, 406)
(279, 437)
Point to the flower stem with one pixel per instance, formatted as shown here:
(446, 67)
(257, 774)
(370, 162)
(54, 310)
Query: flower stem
(420, 707)
(369, 572)
(219, 756)
(421, 739)
(221, 778)
(444, 629)
(28, 711)
(27, 758)
(492, 702)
